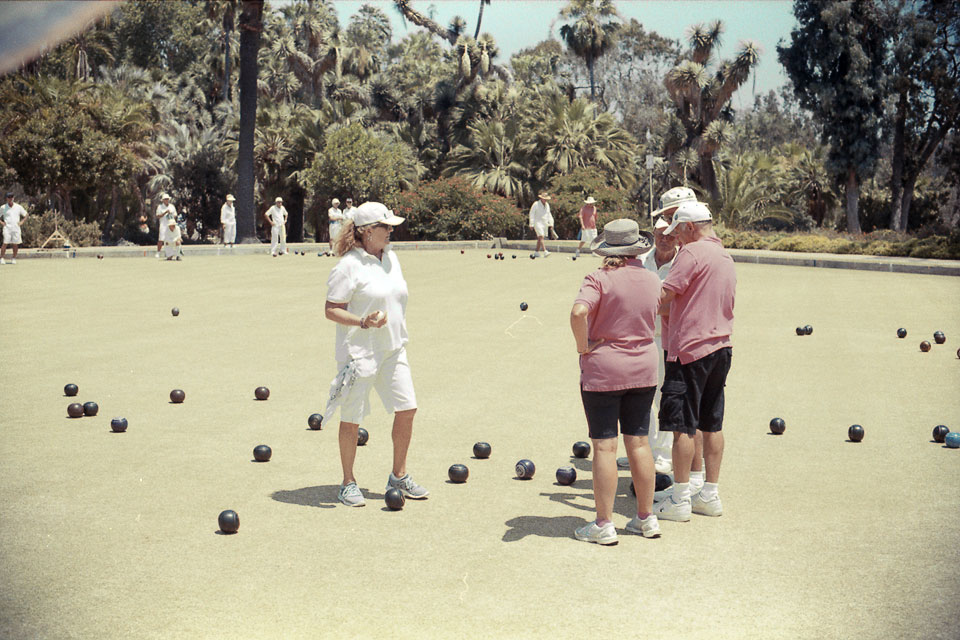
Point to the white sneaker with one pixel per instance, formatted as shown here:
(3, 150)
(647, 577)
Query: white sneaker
(350, 495)
(407, 487)
(662, 465)
(607, 534)
(13, 261)
(648, 527)
(2, 261)
(158, 255)
(712, 507)
(545, 253)
(670, 510)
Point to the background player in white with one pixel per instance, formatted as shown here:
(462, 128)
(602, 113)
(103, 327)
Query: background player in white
(11, 214)
(165, 213)
(277, 217)
(228, 222)
(172, 241)
(541, 221)
(335, 215)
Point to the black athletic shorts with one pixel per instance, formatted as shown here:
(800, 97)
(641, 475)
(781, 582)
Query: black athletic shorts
(692, 394)
(629, 407)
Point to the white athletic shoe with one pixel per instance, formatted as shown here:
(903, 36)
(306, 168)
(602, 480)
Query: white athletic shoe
(670, 510)
(648, 527)
(711, 507)
(607, 534)
(350, 495)
(158, 255)
(545, 253)
(2, 261)
(406, 486)
(13, 261)
(662, 465)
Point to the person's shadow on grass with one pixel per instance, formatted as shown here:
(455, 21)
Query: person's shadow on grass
(323, 496)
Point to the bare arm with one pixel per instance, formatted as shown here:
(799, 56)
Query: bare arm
(337, 312)
(666, 296)
(578, 323)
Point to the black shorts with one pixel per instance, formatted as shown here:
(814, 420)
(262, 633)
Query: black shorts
(629, 407)
(692, 393)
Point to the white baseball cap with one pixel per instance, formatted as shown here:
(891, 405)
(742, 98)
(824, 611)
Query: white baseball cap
(675, 197)
(164, 196)
(689, 212)
(230, 197)
(374, 212)
(661, 224)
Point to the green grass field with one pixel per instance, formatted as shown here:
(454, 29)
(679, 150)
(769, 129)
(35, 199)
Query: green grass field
(115, 535)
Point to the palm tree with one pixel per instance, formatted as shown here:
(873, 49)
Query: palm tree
(251, 20)
(748, 192)
(408, 12)
(700, 97)
(591, 30)
(476, 33)
(494, 159)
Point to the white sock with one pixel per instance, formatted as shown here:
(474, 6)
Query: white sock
(681, 491)
(709, 491)
(696, 480)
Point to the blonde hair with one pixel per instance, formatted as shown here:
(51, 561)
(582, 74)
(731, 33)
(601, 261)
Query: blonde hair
(613, 262)
(348, 239)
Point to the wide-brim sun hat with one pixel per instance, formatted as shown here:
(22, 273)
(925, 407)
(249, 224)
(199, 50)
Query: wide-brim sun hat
(674, 198)
(230, 198)
(374, 213)
(164, 196)
(544, 196)
(621, 237)
(689, 212)
(335, 202)
(590, 200)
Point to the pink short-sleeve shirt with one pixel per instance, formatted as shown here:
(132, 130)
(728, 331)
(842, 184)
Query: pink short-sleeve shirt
(704, 281)
(623, 309)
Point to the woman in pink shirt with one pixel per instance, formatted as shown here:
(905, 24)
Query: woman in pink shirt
(614, 323)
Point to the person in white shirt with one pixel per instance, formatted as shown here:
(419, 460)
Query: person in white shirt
(228, 222)
(541, 221)
(165, 213)
(367, 298)
(277, 217)
(349, 209)
(11, 215)
(336, 217)
(172, 241)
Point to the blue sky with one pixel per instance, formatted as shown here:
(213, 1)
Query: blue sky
(516, 24)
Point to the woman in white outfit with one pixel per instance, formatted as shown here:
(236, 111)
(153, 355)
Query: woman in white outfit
(228, 222)
(367, 298)
(335, 215)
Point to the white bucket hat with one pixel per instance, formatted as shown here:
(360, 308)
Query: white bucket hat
(674, 198)
(689, 212)
(590, 200)
(373, 213)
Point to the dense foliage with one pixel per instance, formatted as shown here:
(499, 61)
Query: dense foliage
(439, 124)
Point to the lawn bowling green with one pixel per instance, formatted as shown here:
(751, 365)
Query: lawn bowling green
(108, 536)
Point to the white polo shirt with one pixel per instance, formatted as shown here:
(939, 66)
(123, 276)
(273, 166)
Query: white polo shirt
(228, 215)
(366, 285)
(649, 260)
(277, 215)
(12, 215)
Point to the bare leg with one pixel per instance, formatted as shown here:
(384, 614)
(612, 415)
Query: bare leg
(683, 448)
(713, 454)
(641, 470)
(348, 449)
(16, 249)
(3, 251)
(402, 431)
(697, 464)
(540, 246)
(604, 476)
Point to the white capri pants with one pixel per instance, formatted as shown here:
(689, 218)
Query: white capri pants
(540, 228)
(229, 232)
(389, 374)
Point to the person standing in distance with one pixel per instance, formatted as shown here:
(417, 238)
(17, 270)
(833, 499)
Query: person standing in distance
(541, 221)
(700, 292)
(228, 222)
(367, 298)
(165, 213)
(349, 209)
(613, 320)
(11, 215)
(277, 218)
(335, 215)
(588, 223)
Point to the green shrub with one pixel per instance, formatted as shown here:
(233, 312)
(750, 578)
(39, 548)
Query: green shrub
(36, 229)
(453, 209)
(570, 190)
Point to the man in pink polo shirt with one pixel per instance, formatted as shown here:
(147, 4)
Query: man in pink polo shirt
(700, 293)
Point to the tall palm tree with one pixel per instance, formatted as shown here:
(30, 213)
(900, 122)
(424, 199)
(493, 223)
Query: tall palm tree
(250, 23)
(700, 97)
(476, 34)
(590, 31)
(494, 159)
